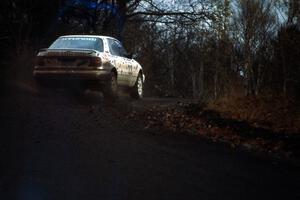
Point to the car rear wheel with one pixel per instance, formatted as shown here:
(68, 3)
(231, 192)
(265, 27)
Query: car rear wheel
(111, 87)
(138, 88)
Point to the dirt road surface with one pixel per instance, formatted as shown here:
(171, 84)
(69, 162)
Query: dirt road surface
(55, 146)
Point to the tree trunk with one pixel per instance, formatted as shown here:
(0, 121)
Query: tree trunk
(201, 79)
(172, 71)
(284, 70)
(194, 83)
(122, 17)
(216, 84)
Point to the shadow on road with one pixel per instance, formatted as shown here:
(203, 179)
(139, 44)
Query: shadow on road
(56, 147)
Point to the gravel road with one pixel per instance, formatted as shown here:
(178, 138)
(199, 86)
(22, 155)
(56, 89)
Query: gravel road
(55, 146)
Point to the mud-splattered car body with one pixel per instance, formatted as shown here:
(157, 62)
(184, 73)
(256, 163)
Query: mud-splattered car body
(93, 59)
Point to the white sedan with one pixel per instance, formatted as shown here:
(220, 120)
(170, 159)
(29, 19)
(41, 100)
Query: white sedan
(93, 61)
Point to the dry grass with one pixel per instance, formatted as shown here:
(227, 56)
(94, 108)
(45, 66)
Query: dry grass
(275, 113)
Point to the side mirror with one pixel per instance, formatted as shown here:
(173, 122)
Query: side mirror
(129, 55)
(134, 55)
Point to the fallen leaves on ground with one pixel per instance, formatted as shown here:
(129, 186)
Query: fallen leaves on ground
(192, 119)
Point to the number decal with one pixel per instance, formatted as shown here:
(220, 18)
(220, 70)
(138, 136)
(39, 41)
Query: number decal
(130, 69)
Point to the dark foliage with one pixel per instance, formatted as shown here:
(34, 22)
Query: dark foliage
(287, 54)
(198, 52)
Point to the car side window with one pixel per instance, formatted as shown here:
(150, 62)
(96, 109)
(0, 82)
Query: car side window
(99, 45)
(123, 52)
(116, 48)
(113, 47)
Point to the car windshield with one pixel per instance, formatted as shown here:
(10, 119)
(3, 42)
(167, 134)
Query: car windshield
(78, 43)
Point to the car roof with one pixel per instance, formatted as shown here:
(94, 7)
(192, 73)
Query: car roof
(97, 36)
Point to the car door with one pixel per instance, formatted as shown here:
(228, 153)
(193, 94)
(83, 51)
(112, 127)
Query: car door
(128, 62)
(118, 61)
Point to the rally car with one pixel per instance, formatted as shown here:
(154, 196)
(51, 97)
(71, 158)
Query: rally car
(94, 61)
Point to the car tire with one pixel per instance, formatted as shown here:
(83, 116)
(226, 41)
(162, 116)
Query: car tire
(138, 88)
(110, 90)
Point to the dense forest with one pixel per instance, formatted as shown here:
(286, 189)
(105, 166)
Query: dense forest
(206, 49)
